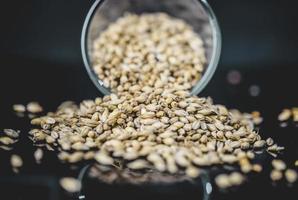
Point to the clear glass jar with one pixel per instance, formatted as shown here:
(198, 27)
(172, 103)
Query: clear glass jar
(196, 13)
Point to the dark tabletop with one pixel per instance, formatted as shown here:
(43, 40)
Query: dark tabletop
(268, 90)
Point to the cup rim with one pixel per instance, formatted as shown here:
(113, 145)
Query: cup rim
(216, 51)
(200, 85)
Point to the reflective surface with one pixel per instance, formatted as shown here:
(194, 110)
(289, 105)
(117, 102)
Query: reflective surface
(23, 80)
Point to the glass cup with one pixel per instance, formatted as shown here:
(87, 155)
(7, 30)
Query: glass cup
(196, 13)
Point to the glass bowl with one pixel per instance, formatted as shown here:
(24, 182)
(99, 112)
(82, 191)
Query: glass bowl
(196, 13)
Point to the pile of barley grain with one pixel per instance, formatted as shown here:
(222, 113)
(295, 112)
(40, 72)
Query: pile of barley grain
(151, 61)
(164, 129)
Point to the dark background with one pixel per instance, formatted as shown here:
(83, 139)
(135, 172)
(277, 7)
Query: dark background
(40, 60)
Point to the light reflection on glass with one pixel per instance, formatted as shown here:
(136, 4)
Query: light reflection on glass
(208, 188)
